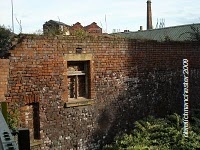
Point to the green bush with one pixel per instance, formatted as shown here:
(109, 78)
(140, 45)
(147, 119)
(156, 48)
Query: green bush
(158, 134)
(13, 117)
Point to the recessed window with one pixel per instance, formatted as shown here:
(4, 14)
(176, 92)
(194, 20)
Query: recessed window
(36, 121)
(31, 118)
(78, 83)
(79, 50)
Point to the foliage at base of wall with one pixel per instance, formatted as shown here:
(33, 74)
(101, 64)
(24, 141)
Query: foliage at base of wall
(161, 133)
(13, 117)
(157, 93)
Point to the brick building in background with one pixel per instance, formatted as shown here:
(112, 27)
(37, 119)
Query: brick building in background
(52, 27)
(79, 92)
(76, 27)
(93, 29)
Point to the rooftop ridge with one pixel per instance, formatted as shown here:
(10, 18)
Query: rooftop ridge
(163, 28)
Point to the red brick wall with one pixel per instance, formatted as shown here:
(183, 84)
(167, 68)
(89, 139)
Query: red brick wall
(167, 54)
(38, 64)
(38, 73)
(4, 72)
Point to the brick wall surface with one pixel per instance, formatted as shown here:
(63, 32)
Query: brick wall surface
(123, 73)
(4, 71)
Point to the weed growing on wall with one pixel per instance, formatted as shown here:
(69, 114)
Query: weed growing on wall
(80, 33)
(13, 117)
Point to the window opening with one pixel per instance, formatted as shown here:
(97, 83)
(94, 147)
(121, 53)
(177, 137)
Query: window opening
(77, 79)
(36, 120)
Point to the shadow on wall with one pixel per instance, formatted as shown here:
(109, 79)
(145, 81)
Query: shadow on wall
(156, 93)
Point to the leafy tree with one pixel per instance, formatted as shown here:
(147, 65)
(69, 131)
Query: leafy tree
(195, 119)
(6, 37)
(158, 134)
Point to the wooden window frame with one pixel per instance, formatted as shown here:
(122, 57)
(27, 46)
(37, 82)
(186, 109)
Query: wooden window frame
(88, 100)
(77, 74)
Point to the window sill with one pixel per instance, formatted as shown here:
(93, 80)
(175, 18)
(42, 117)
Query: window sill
(35, 142)
(78, 102)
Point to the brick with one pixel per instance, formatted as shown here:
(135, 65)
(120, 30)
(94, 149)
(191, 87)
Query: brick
(41, 76)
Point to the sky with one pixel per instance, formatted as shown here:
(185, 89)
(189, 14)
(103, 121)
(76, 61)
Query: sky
(109, 14)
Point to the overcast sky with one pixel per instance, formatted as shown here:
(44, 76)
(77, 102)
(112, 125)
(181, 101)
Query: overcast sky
(120, 14)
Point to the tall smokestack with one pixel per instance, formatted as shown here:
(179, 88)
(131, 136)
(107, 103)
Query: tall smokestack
(149, 15)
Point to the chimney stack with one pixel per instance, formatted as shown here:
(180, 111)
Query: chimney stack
(141, 28)
(149, 15)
